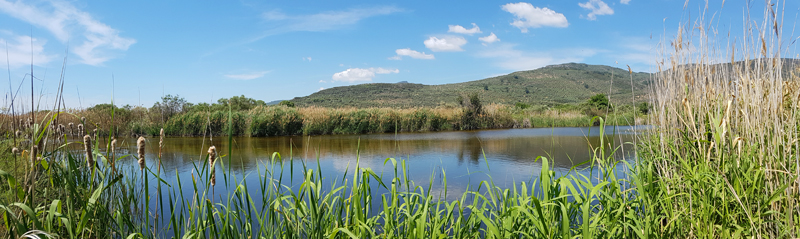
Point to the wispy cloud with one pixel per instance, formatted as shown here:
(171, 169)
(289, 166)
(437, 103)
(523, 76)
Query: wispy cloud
(324, 21)
(361, 75)
(446, 43)
(509, 58)
(491, 38)
(247, 76)
(597, 8)
(98, 42)
(411, 53)
(528, 16)
(21, 49)
(624, 1)
(461, 30)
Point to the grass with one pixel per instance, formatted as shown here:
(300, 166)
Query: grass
(721, 162)
(76, 201)
(282, 120)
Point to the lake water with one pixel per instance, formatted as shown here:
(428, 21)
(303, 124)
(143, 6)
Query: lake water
(465, 157)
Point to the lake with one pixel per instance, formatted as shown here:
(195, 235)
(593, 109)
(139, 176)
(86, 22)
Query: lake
(465, 157)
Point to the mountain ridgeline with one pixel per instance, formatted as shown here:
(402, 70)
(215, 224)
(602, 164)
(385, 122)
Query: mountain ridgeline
(551, 85)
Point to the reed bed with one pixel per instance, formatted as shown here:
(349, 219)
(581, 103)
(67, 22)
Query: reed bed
(725, 146)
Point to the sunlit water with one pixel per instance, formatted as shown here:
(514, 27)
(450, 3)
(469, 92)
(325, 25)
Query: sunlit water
(465, 158)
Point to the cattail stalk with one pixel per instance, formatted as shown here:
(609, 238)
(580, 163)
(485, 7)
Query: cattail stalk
(87, 145)
(212, 156)
(140, 147)
(113, 153)
(160, 146)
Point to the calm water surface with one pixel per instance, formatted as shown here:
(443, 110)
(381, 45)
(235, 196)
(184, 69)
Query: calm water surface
(465, 157)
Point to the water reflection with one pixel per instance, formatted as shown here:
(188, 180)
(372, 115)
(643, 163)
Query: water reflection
(502, 154)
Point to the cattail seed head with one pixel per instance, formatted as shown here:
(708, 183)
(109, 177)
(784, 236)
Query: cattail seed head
(80, 129)
(140, 147)
(71, 125)
(83, 120)
(212, 156)
(19, 134)
(15, 150)
(87, 146)
(161, 143)
(113, 149)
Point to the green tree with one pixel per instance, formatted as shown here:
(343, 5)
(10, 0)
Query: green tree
(241, 102)
(599, 101)
(287, 103)
(473, 111)
(169, 106)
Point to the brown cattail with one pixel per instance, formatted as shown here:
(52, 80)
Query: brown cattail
(15, 151)
(160, 143)
(94, 132)
(83, 120)
(19, 134)
(212, 156)
(140, 147)
(70, 129)
(80, 129)
(87, 145)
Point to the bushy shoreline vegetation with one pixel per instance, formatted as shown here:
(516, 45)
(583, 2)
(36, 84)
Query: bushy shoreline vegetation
(254, 118)
(721, 161)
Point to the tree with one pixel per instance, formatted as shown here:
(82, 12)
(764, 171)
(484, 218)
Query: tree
(473, 111)
(287, 103)
(169, 106)
(241, 102)
(599, 101)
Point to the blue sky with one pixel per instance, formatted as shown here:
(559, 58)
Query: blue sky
(206, 50)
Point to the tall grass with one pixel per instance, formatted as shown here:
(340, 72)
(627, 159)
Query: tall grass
(725, 146)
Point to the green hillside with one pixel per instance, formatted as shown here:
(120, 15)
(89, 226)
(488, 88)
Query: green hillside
(556, 84)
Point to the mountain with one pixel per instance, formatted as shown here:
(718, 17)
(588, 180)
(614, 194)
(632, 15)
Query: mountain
(556, 84)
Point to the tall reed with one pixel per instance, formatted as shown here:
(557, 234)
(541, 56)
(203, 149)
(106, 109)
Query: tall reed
(726, 120)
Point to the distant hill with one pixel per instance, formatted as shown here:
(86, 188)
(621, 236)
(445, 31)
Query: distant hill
(556, 84)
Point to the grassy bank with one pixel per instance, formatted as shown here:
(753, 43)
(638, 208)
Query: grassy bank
(284, 120)
(721, 162)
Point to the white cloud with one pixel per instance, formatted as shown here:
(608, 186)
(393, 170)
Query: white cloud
(529, 16)
(361, 75)
(97, 42)
(324, 21)
(624, 1)
(512, 59)
(447, 43)
(21, 49)
(491, 38)
(597, 8)
(247, 76)
(307, 58)
(321, 88)
(462, 30)
(411, 53)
